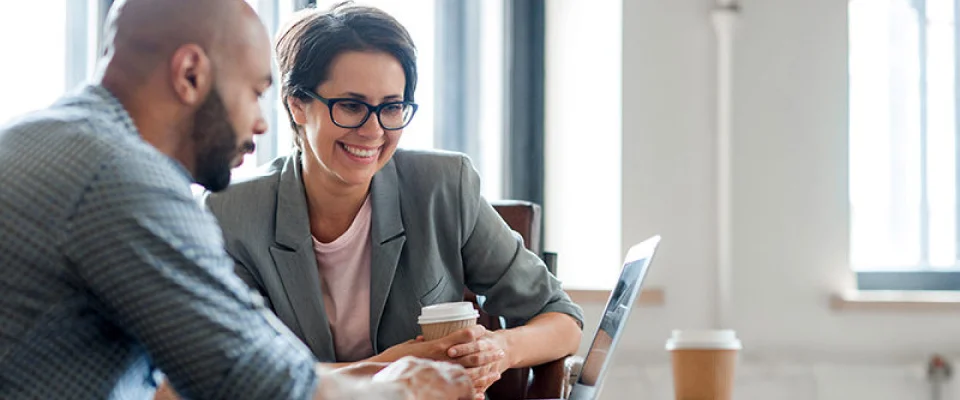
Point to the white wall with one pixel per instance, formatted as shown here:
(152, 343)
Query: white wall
(668, 158)
(790, 213)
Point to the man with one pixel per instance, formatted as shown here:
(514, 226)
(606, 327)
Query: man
(110, 271)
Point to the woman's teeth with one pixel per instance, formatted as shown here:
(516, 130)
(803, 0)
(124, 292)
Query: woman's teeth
(359, 152)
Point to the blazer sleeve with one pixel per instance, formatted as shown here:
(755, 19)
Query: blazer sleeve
(514, 281)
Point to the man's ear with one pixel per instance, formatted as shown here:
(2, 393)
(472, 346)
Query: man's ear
(297, 109)
(191, 74)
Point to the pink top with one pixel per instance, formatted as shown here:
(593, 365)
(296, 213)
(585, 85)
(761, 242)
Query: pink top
(344, 266)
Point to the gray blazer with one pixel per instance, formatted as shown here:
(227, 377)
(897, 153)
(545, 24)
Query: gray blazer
(432, 235)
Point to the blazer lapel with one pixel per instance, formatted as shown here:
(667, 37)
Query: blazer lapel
(387, 239)
(296, 262)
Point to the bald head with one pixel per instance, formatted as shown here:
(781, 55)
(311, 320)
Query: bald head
(190, 74)
(140, 34)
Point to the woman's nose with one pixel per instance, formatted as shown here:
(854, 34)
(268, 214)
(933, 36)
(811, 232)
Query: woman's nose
(371, 128)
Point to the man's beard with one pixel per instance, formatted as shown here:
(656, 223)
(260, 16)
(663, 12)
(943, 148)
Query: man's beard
(216, 144)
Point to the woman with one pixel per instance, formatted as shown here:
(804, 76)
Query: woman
(349, 237)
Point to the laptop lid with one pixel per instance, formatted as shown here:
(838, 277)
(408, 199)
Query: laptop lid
(614, 320)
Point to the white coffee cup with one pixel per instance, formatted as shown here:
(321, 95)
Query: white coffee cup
(439, 320)
(704, 363)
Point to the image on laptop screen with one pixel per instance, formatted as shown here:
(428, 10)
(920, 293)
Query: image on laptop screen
(614, 319)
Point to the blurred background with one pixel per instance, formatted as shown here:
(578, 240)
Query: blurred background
(799, 159)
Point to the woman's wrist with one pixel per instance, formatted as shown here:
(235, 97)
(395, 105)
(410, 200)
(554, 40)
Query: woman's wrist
(390, 355)
(382, 357)
(333, 365)
(506, 338)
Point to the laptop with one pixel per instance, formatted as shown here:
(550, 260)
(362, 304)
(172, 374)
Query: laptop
(614, 321)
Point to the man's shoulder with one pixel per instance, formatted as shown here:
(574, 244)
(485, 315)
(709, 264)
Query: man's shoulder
(68, 129)
(59, 146)
(47, 130)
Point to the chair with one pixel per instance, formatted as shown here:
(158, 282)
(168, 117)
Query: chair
(542, 381)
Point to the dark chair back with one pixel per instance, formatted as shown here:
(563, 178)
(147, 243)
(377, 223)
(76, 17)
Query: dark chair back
(524, 218)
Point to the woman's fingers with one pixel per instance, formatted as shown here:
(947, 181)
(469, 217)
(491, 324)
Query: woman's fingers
(481, 359)
(464, 336)
(483, 378)
(476, 346)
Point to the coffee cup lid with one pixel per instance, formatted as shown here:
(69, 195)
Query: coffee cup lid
(446, 312)
(724, 339)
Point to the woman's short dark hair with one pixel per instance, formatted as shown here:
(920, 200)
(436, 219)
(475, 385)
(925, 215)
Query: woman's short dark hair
(308, 44)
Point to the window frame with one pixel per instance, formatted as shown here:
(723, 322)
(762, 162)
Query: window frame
(525, 102)
(457, 81)
(910, 280)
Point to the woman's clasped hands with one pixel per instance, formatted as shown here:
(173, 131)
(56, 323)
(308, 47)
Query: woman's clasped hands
(483, 353)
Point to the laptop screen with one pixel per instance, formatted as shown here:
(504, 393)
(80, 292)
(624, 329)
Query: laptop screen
(614, 320)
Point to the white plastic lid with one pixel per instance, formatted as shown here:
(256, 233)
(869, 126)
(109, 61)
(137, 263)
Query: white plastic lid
(446, 312)
(724, 339)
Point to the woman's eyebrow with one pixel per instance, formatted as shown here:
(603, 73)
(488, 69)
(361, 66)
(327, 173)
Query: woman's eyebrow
(361, 96)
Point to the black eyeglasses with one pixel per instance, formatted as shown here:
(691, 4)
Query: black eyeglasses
(352, 113)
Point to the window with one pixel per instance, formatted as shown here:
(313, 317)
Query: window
(48, 61)
(584, 225)
(903, 144)
(278, 141)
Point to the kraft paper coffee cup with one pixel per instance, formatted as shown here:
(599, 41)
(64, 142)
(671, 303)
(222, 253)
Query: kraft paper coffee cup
(704, 363)
(439, 320)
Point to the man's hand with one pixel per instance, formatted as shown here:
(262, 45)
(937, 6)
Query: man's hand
(166, 392)
(428, 380)
(363, 369)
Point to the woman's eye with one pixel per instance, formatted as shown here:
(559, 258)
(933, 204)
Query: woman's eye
(393, 109)
(349, 106)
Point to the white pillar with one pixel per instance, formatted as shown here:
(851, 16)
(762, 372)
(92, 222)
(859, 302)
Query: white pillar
(724, 21)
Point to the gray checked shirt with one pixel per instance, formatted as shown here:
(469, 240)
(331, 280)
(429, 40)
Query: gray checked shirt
(110, 271)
